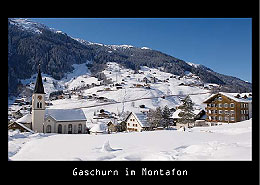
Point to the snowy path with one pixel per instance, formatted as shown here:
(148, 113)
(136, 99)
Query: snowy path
(225, 142)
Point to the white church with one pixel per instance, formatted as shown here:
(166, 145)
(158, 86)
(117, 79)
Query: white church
(42, 120)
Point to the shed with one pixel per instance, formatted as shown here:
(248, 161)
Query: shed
(99, 128)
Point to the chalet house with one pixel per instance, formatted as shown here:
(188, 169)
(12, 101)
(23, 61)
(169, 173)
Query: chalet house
(228, 107)
(136, 122)
(138, 85)
(112, 127)
(19, 126)
(199, 115)
(26, 121)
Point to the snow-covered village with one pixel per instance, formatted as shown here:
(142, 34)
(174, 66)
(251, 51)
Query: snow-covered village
(149, 115)
(124, 113)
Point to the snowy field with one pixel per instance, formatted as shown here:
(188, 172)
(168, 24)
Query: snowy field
(230, 142)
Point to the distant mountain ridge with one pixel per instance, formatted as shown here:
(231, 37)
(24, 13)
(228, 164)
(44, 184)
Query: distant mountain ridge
(31, 43)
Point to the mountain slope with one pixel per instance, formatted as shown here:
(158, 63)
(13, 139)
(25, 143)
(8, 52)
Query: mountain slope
(30, 44)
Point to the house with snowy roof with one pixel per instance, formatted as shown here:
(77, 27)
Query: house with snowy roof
(99, 128)
(64, 121)
(228, 107)
(199, 114)
(136, 122)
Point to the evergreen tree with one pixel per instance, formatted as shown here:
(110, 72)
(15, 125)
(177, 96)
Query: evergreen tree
(186, 113)
(151, 118)
(166, 114)
(154, 117)
(158, 117)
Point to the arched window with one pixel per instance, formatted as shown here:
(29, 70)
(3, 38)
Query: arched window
(80, 128)
(38, 105)
(60, 129)
(70, 129)
(48, 129)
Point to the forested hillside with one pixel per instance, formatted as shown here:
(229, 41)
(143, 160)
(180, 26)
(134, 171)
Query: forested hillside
(35, 44)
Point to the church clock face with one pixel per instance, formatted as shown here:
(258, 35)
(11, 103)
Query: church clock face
(39, 97)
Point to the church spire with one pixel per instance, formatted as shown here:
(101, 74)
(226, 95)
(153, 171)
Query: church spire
(38, 85)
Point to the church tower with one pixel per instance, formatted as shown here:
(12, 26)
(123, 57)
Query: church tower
(38, 104)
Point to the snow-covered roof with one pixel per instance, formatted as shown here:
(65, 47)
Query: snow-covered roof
(142, 119)
(66, 114)
(232, 96)
(100, 127)
(26, 128)
(175, 115)
(25, 119)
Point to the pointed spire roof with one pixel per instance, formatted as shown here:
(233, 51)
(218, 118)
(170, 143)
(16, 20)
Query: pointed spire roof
(38, 85)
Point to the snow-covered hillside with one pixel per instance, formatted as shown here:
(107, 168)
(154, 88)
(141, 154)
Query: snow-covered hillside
(133, 92)
(76, 78)
(150, 97)
(31, 26)
(223, 142)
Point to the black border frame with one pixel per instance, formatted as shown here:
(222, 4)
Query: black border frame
(203, 172)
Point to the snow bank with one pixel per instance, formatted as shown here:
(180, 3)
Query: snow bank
(165, 145)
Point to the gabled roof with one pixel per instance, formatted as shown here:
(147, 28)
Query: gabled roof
(175, 115)
(232, 96)
(66, 114)
(100, 127)
(25, 119)
(38, 85)
(21, 125)
(141, 118)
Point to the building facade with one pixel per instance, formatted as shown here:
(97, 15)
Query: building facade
(65, 121)
(228, 107)
(136, 122)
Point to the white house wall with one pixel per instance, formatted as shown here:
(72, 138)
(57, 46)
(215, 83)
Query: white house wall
(130, 124)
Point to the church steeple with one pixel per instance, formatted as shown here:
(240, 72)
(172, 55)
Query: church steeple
(38, 85)
(38, 104)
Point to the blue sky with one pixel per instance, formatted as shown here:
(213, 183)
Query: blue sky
(224, 45)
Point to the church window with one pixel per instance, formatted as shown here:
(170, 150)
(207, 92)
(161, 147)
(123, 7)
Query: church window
(59, 128)
(70, 129)
(80, 129)
(48, 129)
(38, 105)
